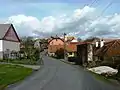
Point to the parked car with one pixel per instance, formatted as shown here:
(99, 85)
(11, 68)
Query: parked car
(71, 59)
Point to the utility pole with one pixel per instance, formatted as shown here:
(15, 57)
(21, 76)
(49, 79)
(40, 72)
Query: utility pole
(64, 47)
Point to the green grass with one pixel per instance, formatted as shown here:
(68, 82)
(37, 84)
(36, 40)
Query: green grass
(100, 77)
(110, 80)
(10, 74)
(22, 61)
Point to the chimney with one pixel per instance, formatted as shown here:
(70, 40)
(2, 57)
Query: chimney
(101, 43)
(97, 43)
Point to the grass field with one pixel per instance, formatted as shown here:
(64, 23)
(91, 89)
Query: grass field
(10, 74)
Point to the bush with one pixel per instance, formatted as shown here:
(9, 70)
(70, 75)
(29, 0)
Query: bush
(59, 53)
(91, 64)
(108, 61)
(32, 54)
(36, 55)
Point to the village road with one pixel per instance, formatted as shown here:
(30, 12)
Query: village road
(56, 75)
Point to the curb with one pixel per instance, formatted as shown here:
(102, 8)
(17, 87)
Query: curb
(37, 67)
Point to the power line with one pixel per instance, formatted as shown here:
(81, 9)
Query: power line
(105, 9)
(89, 5)
(93, 3)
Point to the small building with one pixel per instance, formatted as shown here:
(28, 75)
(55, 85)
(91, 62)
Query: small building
(84, 52)
(94, 50)
(71, 49)
(9, 40)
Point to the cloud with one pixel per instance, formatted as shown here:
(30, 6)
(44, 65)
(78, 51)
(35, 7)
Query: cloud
(25, 25)
(81, 23)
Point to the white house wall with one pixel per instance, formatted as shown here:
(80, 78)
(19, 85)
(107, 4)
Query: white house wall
(1, 49)
(11, 45)
(1, 46)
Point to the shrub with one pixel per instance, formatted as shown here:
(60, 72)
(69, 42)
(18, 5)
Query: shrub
(108, 61)
(36, 54)
(60, 53)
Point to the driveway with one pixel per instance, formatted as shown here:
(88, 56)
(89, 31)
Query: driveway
(56, 75)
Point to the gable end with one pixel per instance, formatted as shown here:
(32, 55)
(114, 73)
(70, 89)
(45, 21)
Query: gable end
(11, 35)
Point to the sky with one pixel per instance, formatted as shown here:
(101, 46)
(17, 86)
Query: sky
(45, 18)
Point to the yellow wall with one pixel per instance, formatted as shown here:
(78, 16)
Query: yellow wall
(71, 55)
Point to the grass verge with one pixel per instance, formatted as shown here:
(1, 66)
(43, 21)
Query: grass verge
(18, 61)
(10, 74)
(102, 78)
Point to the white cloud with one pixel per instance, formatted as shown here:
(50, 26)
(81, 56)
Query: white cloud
(25, 25)
(48, 24)
(82, 23)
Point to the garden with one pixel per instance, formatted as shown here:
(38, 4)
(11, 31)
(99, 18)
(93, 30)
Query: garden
(28, 54)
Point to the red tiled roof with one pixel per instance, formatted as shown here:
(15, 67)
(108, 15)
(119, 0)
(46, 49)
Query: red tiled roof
(80, 43)
(111, 48)
(109, 39)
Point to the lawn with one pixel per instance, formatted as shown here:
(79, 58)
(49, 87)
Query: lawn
(22, 61)
(10, 74)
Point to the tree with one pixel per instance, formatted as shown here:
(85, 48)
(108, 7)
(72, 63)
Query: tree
(90, 39)
(60, 53)
(29, 46)
(36, 54)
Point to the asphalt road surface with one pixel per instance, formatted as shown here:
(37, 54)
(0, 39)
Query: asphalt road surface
(56, 75)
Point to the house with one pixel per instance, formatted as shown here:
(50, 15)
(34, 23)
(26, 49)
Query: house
(71, 49)
(109, 54)
(110, 49)
(70, 45)
(69, 38)
(86, 50)
(55, 44)
(9, 40)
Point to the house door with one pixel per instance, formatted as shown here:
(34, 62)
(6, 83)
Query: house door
(84, 54)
